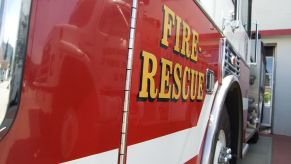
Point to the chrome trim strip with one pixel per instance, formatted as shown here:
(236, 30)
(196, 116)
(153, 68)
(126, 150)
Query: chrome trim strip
(214, 117)
(256, 43)
(14, 25)
(122, 149)
(222, 44)
(210, 80)
(245, 150)
(245, 103)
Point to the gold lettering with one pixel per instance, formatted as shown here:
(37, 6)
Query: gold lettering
(165, 79)
(185, 40)
(200, 88)
(177, 81)
(185, 92)
(194, 81)
(194, 51)
(168, 23)
(177, 40)
(148, 73)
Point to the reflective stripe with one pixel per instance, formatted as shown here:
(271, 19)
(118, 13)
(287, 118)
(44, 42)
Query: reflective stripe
(178, 147)
(110, 157)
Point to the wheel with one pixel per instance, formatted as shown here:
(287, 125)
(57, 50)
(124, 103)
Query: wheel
(221, 147)
(254, 138)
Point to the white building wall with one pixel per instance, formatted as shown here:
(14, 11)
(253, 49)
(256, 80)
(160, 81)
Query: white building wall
(272, 14)
(276, 15)
(282, 96)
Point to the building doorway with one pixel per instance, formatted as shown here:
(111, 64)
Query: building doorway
(269, 86)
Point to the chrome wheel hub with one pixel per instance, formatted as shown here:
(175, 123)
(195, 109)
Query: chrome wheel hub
(225, 155)
(222, 153)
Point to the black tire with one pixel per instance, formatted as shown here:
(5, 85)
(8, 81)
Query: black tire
(254, 138)
(224, 124)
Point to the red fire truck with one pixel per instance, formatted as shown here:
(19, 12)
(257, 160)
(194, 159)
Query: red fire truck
(124, 81)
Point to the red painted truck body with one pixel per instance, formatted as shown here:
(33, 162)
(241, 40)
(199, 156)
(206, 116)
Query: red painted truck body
(74, 80)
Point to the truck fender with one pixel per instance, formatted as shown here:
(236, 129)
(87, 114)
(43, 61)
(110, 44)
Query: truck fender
(218, 104)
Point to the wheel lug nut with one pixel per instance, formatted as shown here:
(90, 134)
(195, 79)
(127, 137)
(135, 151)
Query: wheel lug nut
(229, 156)
(225, 159)
(228, 151)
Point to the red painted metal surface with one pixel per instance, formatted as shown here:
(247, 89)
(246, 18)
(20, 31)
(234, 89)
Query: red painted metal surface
(74, 78)
(149, 119)
(73, 85)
